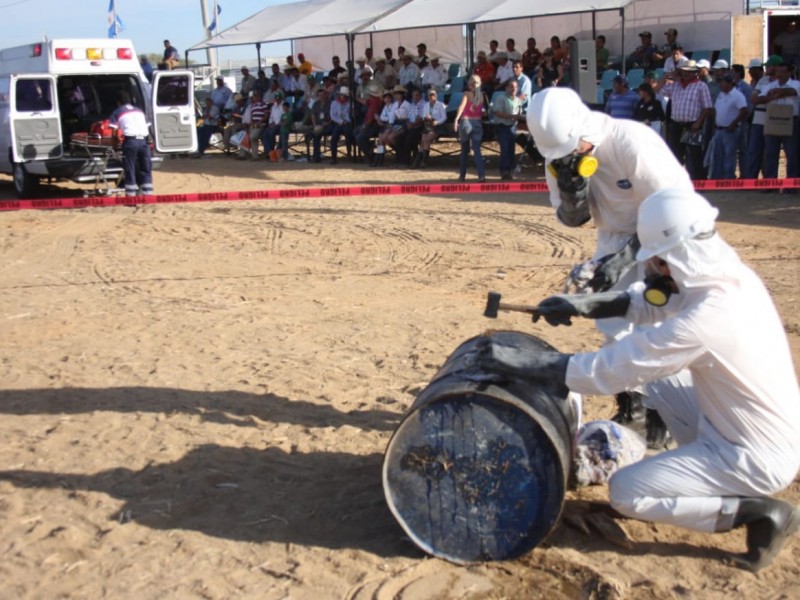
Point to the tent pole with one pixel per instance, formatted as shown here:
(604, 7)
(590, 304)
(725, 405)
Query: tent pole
(470, 62)
(594, 24)
(258, 56)
(622, 14)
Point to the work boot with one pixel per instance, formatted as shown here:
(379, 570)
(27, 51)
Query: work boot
(424, 162)
(417, 160)
(630, 410)
(657, 433)
(769, 523)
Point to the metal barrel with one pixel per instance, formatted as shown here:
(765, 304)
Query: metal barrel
(477, 470)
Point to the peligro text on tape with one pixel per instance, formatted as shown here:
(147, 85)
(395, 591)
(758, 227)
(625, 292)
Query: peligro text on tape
(368, 190)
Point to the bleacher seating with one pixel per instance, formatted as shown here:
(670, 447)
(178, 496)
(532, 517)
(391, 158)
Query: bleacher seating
(454, 70)
(696, 55)
(635, 78)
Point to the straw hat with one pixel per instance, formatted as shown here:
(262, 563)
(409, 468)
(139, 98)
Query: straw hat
(374, 88)
(344, 91)
(399, 89)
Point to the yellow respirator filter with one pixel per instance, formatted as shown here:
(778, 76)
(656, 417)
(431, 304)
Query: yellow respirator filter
(581, 166)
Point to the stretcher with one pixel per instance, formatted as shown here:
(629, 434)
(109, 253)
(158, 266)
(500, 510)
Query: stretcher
(104, 162)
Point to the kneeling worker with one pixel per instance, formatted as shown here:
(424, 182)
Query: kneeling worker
(136, 162)
(737, 425)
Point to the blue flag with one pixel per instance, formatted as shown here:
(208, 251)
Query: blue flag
(115, 24)
(213, 25)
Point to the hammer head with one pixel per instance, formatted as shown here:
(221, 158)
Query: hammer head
(492, 305)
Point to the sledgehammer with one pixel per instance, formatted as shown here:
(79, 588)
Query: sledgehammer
(493, 305)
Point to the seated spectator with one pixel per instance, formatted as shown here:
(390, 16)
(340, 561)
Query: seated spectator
(408, 75)
(361, 64)
(550, 71)
(422, 59)
(434, 117)
(511, 50)
(661, 54)
(305, 67)
(370, 126)
(320, 121)
(221, 94)
(248, 83)
(505, 71)
(290, 64)
(622, 102)
(530, 59)
(272, 127)
(337, 68)
(601, 54)
(407, 142)
(234, 124)
(397, 120)
(385, 73)
(433, 76)
(486, 71)
(384, 124)
(401, 50)
(262, 83)
(524, 84)
(286, 126)
(387, 54)
(566, 59)
(341, 123)
(491, 56)
(674, 59)
(642, 56)
(254, 118)
(274, 88)
(171, 58)
(649, 109)
(370, 57)
(558, 51)
(209, 127)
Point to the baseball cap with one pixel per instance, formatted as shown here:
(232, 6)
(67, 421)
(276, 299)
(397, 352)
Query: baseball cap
(621, 79)
(671, 31)
(721, 64)
(773, 61)
(646, 34)
(703, 63)
(755, 63)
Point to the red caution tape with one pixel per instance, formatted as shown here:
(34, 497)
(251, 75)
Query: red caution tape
(369, 190)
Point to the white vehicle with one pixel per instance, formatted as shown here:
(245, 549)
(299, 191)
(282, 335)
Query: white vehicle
(52, 93)
(755, 35)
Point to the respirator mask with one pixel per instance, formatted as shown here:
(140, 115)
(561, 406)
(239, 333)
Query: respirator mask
(659, 287)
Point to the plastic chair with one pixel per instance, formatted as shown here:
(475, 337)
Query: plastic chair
(454, 70)
(456, 85)
(635, 78)
(319, 76)
(725, 54)
(659, 73)
(455, 100)
(607, 79)
(701, 54)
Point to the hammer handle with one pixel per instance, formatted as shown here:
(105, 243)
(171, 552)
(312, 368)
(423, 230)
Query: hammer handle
(525, 308)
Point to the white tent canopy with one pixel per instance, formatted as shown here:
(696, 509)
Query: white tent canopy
(320, 18)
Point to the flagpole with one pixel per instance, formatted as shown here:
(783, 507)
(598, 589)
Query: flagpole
(209, 53)
(217, 29)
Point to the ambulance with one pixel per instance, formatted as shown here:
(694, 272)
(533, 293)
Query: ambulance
(55, 96)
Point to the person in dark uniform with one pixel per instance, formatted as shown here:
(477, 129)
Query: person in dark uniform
(136, 163)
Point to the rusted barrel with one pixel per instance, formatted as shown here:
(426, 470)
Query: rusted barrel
(477, 469)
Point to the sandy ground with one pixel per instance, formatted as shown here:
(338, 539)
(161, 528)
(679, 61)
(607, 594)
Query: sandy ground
(196, 398)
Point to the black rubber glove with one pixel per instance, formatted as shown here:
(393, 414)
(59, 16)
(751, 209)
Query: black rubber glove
(574, 208)
(612, 267)
(543, 366)
(559, 310)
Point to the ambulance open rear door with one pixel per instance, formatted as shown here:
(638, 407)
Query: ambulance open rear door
(174, 126)
(35, 128)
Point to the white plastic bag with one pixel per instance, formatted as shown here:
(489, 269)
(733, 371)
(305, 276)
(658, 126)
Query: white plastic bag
(602, 448)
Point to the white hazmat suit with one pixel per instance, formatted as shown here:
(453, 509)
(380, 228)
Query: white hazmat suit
(738, 425)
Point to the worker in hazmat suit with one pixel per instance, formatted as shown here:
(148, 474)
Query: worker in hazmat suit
(737, 425)
(601, 169)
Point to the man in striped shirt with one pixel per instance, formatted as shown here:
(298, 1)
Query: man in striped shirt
(691, 106)
(258, 115)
